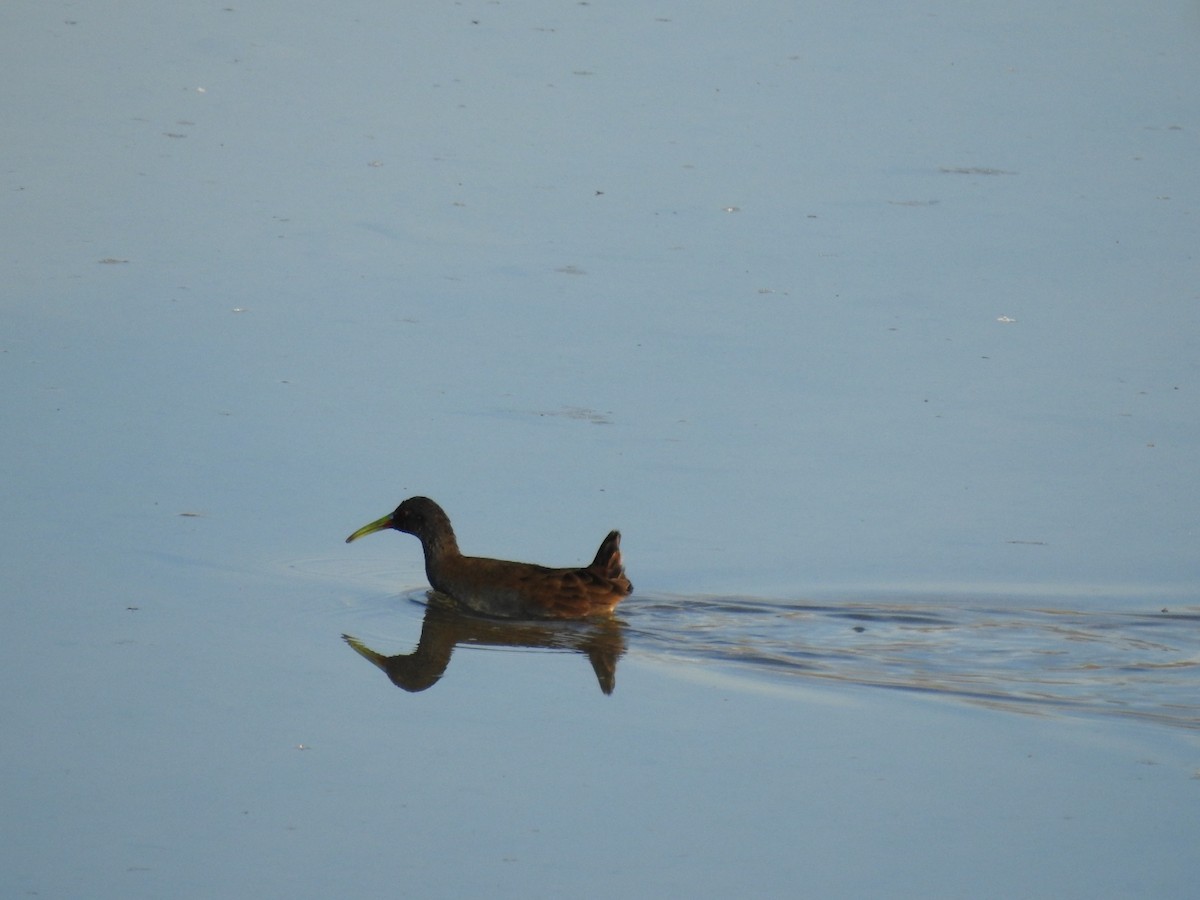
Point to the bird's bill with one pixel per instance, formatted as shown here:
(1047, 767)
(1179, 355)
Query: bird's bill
(377, 525)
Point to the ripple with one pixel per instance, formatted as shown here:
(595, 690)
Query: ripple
(1137, 664)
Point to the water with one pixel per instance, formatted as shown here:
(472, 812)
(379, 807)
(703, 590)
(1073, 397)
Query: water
(874, 330)
(1051, 660)
(995, 652)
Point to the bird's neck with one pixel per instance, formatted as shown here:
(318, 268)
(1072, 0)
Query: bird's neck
(441, 549)
(440, 546)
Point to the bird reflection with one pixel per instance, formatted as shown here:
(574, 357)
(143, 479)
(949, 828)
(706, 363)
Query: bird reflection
(446, 626)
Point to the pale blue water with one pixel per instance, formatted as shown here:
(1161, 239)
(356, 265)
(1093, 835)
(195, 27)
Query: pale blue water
(873, 329)
(1044, 658)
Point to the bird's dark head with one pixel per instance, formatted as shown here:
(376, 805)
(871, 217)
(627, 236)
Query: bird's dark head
(419, 516)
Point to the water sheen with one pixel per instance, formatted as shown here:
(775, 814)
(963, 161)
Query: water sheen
(1144, 665)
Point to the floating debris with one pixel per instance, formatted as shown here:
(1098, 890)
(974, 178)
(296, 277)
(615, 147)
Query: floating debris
(972, 170)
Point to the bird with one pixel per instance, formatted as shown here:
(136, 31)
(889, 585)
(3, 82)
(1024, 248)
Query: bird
(504, 589)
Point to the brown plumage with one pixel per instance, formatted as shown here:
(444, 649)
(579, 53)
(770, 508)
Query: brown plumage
(496, 587)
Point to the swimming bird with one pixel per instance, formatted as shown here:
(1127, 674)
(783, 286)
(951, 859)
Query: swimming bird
(497, 587)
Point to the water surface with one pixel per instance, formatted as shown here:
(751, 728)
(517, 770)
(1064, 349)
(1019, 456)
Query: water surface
(798, 296)
(1002, 653)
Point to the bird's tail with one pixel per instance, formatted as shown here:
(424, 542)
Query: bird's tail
(608, 558)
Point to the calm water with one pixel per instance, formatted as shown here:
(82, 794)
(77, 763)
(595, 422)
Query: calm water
(798, 296)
